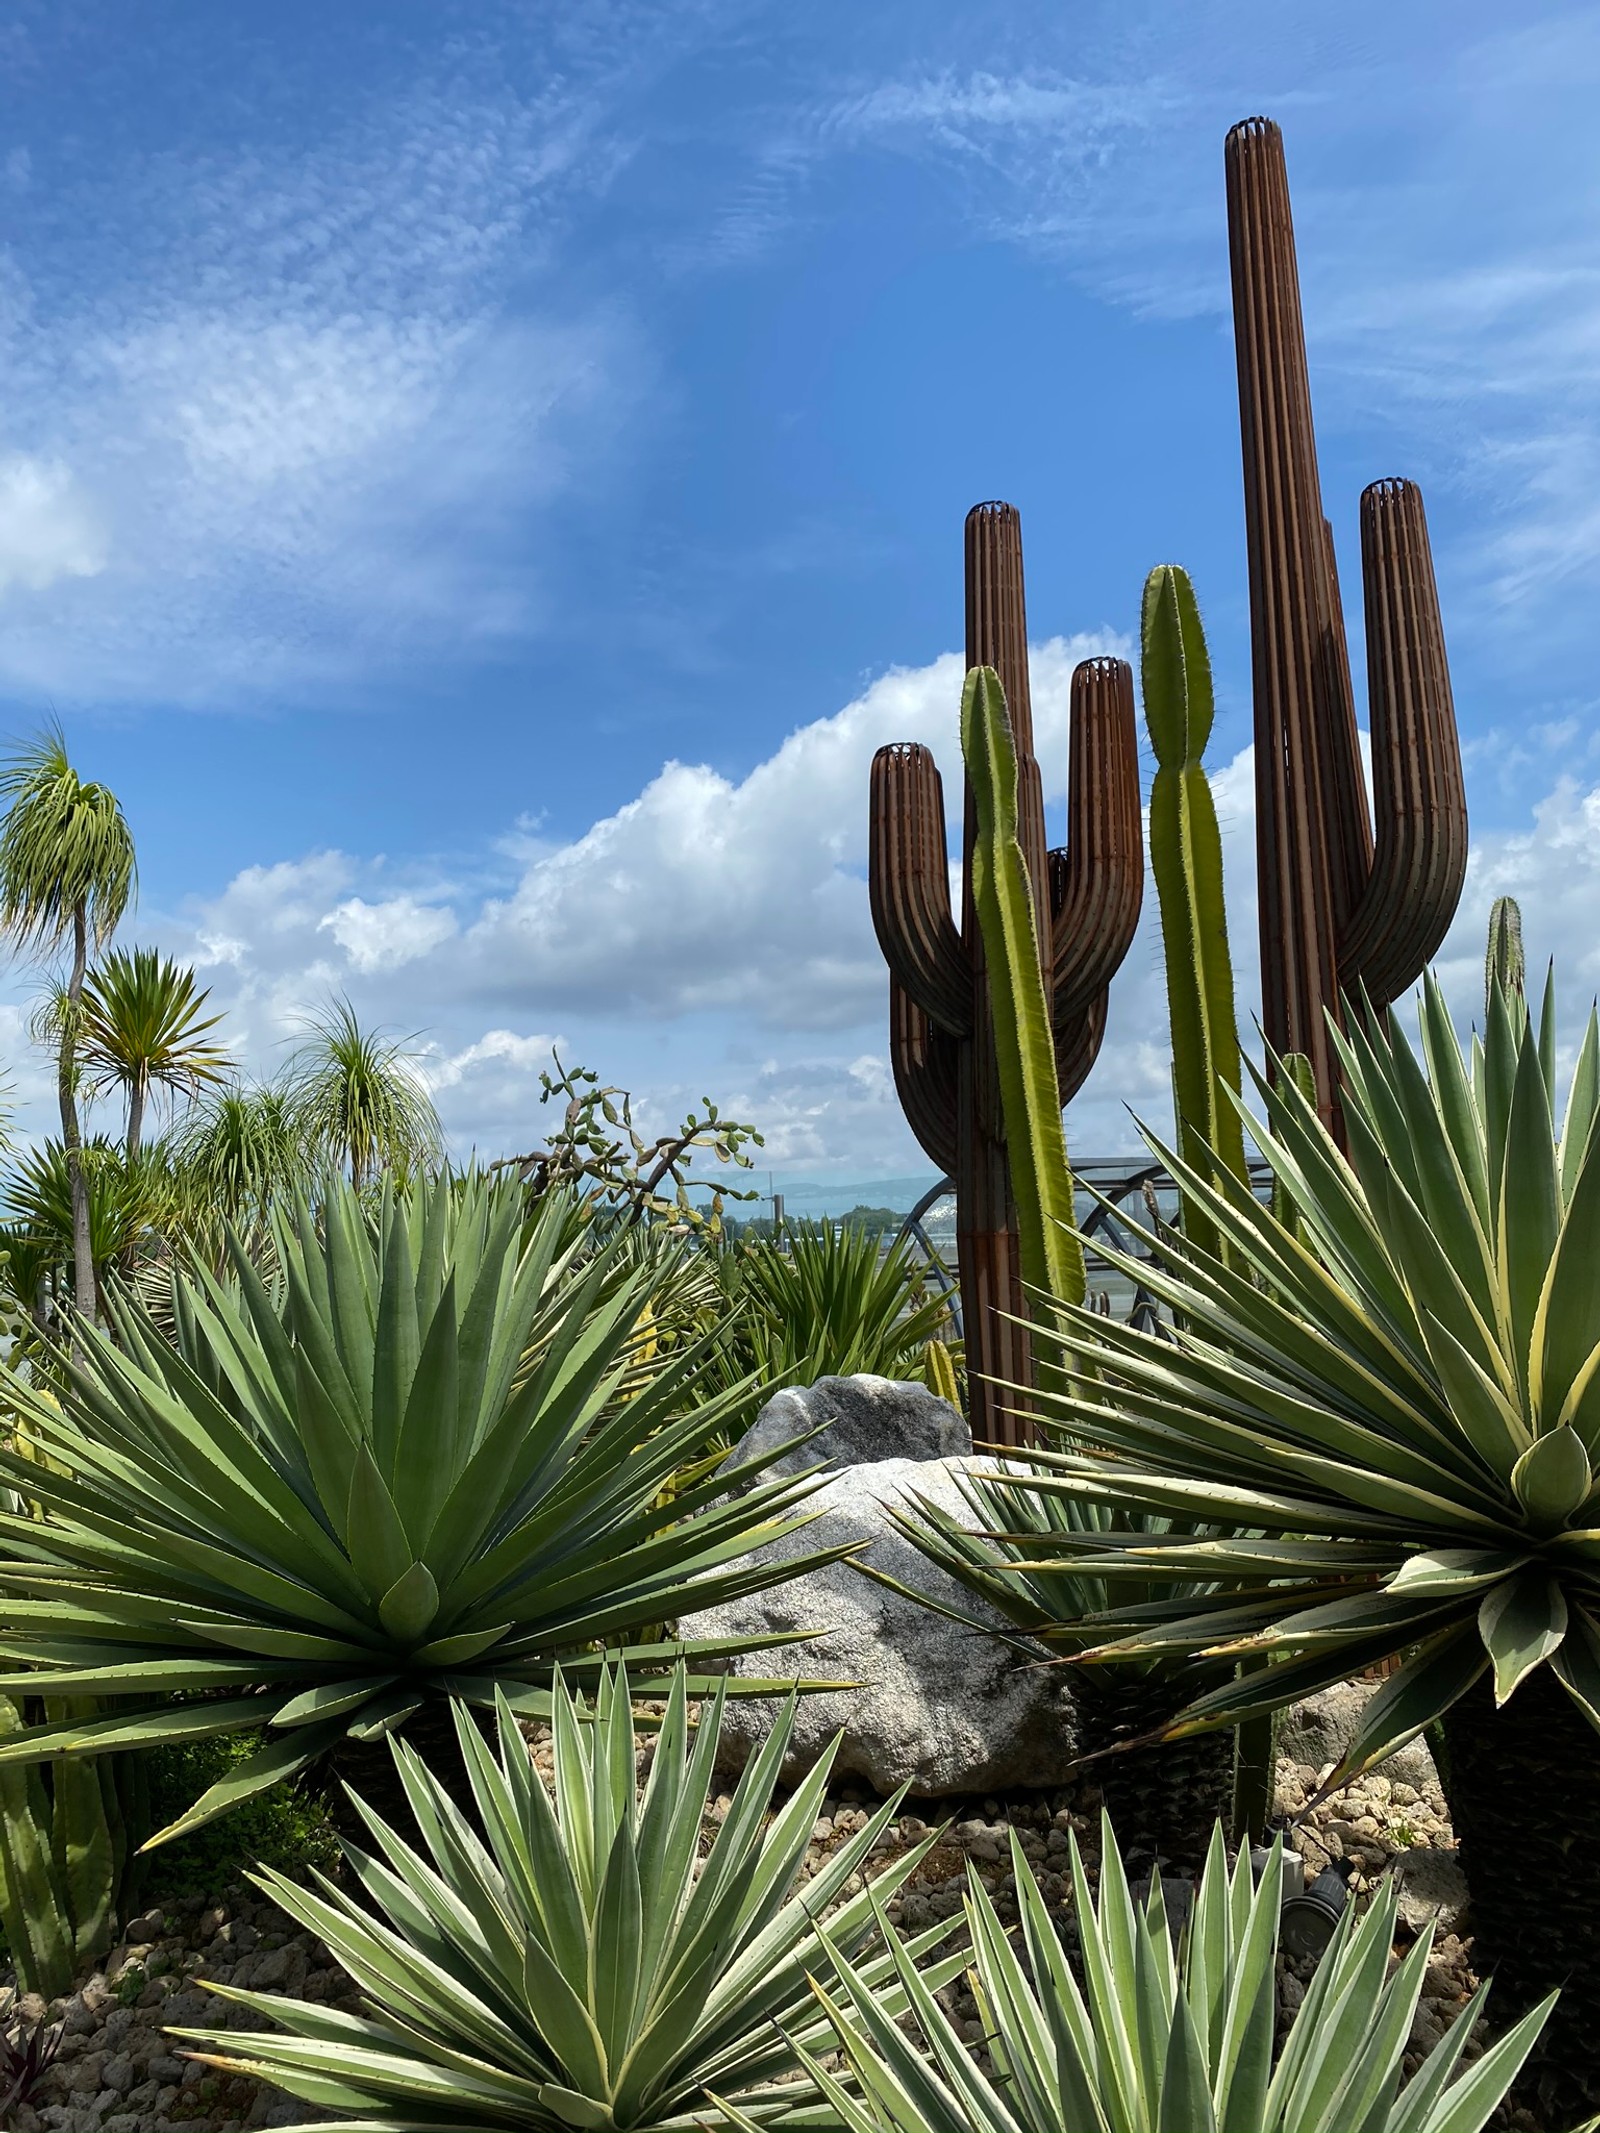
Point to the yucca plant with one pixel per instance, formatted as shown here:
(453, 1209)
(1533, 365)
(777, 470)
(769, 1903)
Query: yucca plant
(574, 1961)
(1168, 2032)
(1400, 1394)
(428, 1462)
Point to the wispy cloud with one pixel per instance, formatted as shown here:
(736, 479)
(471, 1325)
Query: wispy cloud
(272, 414)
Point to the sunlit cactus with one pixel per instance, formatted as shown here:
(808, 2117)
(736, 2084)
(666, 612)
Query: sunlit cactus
(1088, 895)
(1504, 964)
(1352, 899)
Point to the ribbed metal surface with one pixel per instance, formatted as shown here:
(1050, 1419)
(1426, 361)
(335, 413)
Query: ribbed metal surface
(1335, 908)
(940, 1031)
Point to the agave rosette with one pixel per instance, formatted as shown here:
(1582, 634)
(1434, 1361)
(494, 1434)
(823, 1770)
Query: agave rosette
(1168, 2031)
(427, 1461)
(570, 1960)
(1397, 1399)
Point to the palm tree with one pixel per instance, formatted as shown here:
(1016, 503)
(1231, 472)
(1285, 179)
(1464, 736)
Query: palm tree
(235, 1153)
(66, 873)
(356, 1098)
(140, 1029)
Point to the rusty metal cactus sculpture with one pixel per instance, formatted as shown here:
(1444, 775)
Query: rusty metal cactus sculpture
(1087, 896)
(1341, 912)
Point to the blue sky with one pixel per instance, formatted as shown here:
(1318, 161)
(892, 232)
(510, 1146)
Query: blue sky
(480, 480)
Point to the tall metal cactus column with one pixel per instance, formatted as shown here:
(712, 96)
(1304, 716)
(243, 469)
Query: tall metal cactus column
(1340, 911)
(940, 1032)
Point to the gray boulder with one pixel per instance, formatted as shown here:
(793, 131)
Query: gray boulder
(1433, 1890)
(858, 1421)
(1317, 1730)
(933, 1703)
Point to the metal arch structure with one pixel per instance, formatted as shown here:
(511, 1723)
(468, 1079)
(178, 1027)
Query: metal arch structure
(1113, 1180)
(1354, 901)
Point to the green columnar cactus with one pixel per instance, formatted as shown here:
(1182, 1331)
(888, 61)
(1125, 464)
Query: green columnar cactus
(1504, 963)
(1086, 898)
(1036, 1143)
(1186, 857)
(59, 1861)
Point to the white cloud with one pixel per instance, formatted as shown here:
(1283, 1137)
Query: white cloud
(48, 528)
(712, 938)
(709, 894)
(385, 936)
(280, 409)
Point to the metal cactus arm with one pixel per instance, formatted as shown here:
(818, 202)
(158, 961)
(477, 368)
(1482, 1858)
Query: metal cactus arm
(941, 1032)
(1339, 912)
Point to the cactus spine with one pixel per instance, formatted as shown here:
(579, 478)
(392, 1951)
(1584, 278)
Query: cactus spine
(1086, 903)
(1002, 895)
(1186, 859)
(1343, 912)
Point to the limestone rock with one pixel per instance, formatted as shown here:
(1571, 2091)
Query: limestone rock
(1317, 1730)
(938, 1704)
(859, 1420)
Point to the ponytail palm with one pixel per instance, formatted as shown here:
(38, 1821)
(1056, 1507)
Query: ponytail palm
(354, 1096)
(427, 1462)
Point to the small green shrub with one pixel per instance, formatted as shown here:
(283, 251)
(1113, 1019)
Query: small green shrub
(289, 1829)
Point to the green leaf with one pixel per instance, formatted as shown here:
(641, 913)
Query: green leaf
(1553, 1479)
(273, 1763)
(1521, 1623)
(373, 1531)
(410, 1605)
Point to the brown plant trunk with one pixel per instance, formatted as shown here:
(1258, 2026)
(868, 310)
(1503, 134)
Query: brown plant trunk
(1163, 1800)
(83, 1282)
(1524, 1790)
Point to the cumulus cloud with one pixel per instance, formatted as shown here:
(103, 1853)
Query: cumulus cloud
(712, 938)
(385, 936)
(709, 894)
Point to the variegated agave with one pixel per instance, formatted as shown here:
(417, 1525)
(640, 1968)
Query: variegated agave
(427, 1460)
(1168, 2031)
(572, 1961)
(1395, 1392)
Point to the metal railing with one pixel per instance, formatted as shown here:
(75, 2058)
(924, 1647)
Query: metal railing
(1104, 1185)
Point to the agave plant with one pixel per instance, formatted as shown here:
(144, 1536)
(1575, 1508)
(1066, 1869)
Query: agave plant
(428, 1463)
(1007, 1552)
(1400, 1395)
(832, 1301)
(574, 1962)
(1169, 2032)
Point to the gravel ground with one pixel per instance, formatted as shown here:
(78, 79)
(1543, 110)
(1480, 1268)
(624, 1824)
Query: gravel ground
(117, 2071)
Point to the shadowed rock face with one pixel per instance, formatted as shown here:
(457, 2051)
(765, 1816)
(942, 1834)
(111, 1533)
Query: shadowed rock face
(929, 1702)
(856, 1420)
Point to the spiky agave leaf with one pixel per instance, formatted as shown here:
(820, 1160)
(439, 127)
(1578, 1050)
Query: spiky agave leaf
(428, 1462)
(1400, 1395)
(569, 1961)
(1163, 2031)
